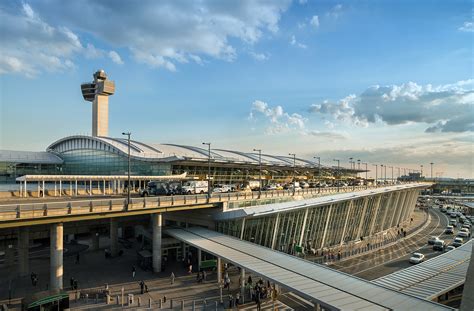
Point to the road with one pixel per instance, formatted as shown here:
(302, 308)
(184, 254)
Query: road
(395, 257)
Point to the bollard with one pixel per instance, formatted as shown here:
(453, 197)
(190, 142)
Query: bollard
(171, 303)
(149, 303)
(96, 298)
(216, 305)
(194, 305)
(160, 303)
(87, 298)
(205, 304)
(118, 299)
(139, 301)
(182, 305)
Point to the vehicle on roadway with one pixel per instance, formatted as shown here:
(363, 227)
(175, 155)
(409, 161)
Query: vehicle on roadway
(222, 189)
(457, 242)
(195, 187)
(439, 245)
(161, 188)
(449, 248)
(449, 230)
(432, 240)
(417, 258)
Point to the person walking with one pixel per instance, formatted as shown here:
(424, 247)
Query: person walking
(77, 258)
(204, 275)
(142, 287)
(172, 278)
(134, 271)
(71, 282)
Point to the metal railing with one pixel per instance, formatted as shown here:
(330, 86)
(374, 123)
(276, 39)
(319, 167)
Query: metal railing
(25, 211)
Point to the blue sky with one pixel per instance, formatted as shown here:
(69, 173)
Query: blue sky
(384, 81)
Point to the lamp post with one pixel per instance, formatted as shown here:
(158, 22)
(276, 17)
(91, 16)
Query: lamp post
(392, 173)
(376, 177)
(128, 182)
(366, 172)
(421, 170)
(431, 174)
(260, 171)
(381, 173)
(353, 165)
(338, 165)
(398, 173)
(208, 170)
(319, 173)
(294, 172)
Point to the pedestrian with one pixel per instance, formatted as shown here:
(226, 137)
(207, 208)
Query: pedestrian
(237, 299)
(133, 271)
(230, 301)
(339, 255)
(204, 275)
(172, 278)
(190, 269)
(71, 282)
(257, 300)
(77, 258)
(33, 279)
(75, 284)
(404, 234)
(142, 287)
(146, 288)
(249, 280)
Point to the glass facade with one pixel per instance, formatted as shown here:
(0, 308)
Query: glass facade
(324, 225)
(9, 171)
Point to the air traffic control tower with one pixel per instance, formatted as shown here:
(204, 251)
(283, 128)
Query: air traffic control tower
(98, 92)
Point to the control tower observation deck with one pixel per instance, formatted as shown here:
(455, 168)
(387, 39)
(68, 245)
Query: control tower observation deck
(98, 92)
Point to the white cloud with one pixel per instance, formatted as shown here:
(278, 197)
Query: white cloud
(446, 108)
(467, 26)
(162, 34)
(303, 1)
(335, 11)
(259, 56)
(115, 57)
(328, 135)
(278, 121)
(296, 43)
(29, 45)
(314, 21)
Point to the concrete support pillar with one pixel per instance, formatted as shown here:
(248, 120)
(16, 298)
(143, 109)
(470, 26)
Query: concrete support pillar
(242, 282)
(60, 187)
(303, 227)
(75, 192)
(219, 270)
(25, 190)
(23, 251)
(56, 256)
(242, 230)
(326, 226)
(55, 188)
(156, 220)
(95, 241)
(114, 249)
(199, 255)
(275, 231)
(44, 190)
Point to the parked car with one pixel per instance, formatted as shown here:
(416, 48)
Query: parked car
(439, 245)
(458, 242)
(270, 188)
(449, 248)
(222, 189)
(417, 258)
(463, 234)
(443, 210)
(467, 226)
(432, 240)
(449, 230)
(453, 221)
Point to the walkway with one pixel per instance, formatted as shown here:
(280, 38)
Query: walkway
(329, 288)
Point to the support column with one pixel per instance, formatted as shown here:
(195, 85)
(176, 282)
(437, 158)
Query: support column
(326, 227)
(275, 231)
(55, 188)
(60, 188)
(242, 230)
(9, 260)
(114, 249)
(351, 203)
(23, 251)
(376, 212)
(156, 220)
(362, 216)
(95, 241)
(44, 190)
(199, 255)
(56, 256)
(25, 189)
(219, 270)
(303, 227)
(76, 188)
(242, 282)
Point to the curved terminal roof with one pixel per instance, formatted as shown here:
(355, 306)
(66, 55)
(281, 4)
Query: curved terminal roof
(173, 152)
(39, 157)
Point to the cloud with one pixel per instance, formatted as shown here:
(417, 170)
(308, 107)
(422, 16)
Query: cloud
(314, 21)
(445, 108)
(259, 56)
(278, 121)
(329, 135)
(296, 43)
(163, 34)
(467, 27)
(115, 57)
(335, 11)
(30, 45)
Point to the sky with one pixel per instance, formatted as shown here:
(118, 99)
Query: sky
(386, 82)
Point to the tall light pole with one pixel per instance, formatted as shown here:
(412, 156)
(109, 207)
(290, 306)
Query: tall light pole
(353, 165)
(392, 173)
(431, 170)
(319, 173)
(208, 170)
(338, 165)
(294, 172)
(421, 170)
(376, 176)
(381, 173)
(128, 182)
(398, 172)
(260, 171)
(366, 172)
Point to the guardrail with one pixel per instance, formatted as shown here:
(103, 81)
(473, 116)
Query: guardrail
(27, 211)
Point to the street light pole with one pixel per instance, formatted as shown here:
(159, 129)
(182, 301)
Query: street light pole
(431, 170)
(319, 173)
(294, 172)
(338, 165)
(366, 172)
(376, 177)
(208, 170)
(421, 170)
(392, 173)
(128, 182)
(260, 172)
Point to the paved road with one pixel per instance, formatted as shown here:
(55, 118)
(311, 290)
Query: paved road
(395, 257)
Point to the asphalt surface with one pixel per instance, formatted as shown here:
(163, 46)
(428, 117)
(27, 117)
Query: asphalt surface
(396, 257)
